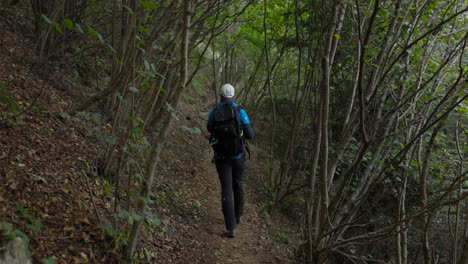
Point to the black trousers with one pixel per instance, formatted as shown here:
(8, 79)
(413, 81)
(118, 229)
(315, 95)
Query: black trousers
(230, 174)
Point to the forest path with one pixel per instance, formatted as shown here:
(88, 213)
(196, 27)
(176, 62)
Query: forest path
(252, 243)
(248, 246)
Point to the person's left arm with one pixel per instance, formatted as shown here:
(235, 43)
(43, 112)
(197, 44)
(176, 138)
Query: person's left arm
(209, 125)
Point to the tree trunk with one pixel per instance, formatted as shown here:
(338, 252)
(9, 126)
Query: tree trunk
(464, 255)
(324, 120)
(156, 150)
(423, 192)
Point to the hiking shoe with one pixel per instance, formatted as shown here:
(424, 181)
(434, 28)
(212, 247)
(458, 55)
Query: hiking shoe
(230, 234)
(238, 220)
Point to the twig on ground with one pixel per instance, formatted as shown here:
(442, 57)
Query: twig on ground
(96, 209)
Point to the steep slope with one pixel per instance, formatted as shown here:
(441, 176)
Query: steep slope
(43, 191)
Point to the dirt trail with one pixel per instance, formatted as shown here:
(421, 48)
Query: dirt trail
(252, 243)
(251, 235)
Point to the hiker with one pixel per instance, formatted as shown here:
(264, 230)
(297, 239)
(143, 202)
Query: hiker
(229, 126)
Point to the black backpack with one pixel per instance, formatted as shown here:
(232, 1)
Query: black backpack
(227, 131)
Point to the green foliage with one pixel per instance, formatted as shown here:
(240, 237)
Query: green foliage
(119, 234)
(166, 195)
(152, 219)
(35, 224)
(266, 215)
(96, 118)
(12, 105)
(69, 23)
(96, 34)
(282, 236)
(145, 255)
(108, 229)
(58, 27)
(171, 110)
(79, 28)
(130, 217)
(194, 130)
(46, 19)
(416, 163)
(107, 187)
(133, 89)
(65, 115)
(92, 124)
(8, 231)
(49, 260)
(148, 5)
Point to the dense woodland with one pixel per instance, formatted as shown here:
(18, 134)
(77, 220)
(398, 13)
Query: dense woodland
(360, 109)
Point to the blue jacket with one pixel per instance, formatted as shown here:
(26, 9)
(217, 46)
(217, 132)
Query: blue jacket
(246, 126)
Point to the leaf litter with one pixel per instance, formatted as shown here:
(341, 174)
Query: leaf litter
(41, 164)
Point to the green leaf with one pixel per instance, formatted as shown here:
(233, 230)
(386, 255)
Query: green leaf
(107, 228)
(129, 10)
(35, 225)
(172, 111)
(148, 5)
(58, 27)
(13, 107)
(194, 130)
(78, 28)
(144, 30)
(94, 33)
(46, 19)
(123, 214)
(130, 220)
(152, 219)
(65, 115)
(83, 115)
(49, 260)
(133, 89)
(416, 163)
(137, 217)
(69, 23)
(426, 98)
(147, 64)
(162, 90)
(463, 110)
(337, 36)
(139, 177)
(107, 188)
(145, 86)
(97, 118)
(24, 239)
(7, 227)
(169, 107)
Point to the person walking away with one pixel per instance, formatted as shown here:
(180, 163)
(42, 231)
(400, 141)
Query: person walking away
(229, 126)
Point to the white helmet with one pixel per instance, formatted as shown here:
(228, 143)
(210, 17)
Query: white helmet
(227, 91)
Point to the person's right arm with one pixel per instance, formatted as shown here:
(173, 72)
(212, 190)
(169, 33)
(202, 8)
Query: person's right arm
(246, 125)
